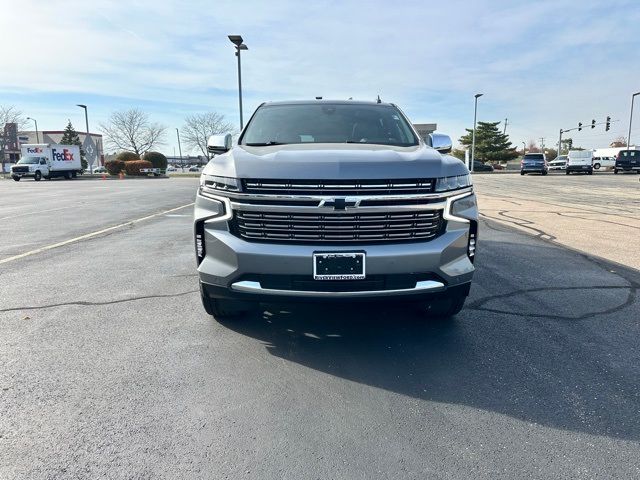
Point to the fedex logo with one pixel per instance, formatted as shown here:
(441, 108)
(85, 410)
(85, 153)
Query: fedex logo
(65, 156)
(34, 150)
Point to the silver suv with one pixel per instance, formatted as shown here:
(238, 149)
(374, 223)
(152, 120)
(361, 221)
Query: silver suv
(334, 201)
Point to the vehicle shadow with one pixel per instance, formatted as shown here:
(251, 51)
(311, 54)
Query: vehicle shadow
(536, 353)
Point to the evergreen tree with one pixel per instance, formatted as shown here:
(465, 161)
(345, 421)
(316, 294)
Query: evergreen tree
(491, 143)
(71, 137)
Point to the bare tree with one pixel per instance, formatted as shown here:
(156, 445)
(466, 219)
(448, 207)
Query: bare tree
(9, 114)
(532, 147)
(200, 126)
(131, 130)
(619, 142)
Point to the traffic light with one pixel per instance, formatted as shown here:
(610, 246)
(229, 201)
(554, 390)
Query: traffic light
(580, 126)
(593, 124)
(608, 125)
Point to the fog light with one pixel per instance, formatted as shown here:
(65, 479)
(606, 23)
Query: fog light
(473, 238)
(199, 239)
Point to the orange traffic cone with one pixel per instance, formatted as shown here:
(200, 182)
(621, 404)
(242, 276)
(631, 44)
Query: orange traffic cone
(121, 176)
(104, 177)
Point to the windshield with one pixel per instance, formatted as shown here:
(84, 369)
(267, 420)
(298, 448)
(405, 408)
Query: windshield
(29, 160)
(328, 123)
(630, 153)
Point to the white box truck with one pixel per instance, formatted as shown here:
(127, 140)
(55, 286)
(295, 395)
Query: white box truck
(47, 160)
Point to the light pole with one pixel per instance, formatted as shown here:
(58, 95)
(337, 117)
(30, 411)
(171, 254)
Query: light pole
(473, 136)
(180, 150)
(237, 41)
(86, 119)
(37, 134)
(524, 148)
(631, 119)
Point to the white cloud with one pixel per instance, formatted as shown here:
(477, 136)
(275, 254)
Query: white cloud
(543, 64)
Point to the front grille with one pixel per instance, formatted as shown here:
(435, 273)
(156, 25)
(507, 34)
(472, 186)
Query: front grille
(407, 186)
(20, 169)
(337, 227)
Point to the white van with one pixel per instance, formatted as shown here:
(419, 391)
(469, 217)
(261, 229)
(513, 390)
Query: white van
(580, 161)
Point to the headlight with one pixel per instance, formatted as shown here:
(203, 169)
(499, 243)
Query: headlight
(444, 184)
(224, 184)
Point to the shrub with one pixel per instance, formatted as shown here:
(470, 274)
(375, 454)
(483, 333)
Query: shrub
(127, 156)
(157, 159)
(114, 167)
(133, 167)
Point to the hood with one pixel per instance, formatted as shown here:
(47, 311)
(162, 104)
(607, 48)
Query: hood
(334, 161)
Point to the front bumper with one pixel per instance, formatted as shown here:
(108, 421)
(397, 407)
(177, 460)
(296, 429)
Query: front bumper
(23, 174)
(235, 268)
(579, 168)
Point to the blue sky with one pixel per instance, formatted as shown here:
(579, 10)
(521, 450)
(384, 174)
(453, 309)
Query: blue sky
(544, 65)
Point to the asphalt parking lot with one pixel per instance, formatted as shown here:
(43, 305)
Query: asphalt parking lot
(110, 367)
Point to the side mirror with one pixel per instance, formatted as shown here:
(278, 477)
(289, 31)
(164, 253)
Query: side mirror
(219, 143)
(440, 142)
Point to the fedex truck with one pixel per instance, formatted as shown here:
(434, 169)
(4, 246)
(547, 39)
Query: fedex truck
(47, 160)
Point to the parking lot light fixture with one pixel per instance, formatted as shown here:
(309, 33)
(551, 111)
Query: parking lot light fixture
(631, 120)
(180, 149)
(238, 42)
(473, 135)
(86, 119)
(36, 123)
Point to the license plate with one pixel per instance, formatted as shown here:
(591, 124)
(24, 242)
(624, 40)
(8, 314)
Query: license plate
(339, 266)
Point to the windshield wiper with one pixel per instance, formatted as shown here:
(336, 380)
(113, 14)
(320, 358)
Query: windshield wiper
(264, 144)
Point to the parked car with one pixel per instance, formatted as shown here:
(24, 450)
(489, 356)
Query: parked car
(603, 162)
(580, 161)
(194, 168)
(478, 166)
(558, 163)
(292, 211)
(99, 170)
(497, 166)
(534, 163)
(171, 169)
(628, 161)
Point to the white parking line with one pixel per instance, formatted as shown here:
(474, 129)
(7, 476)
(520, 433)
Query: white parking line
(91, 235)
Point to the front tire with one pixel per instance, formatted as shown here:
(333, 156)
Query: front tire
(615, 171)
(596, 166)
(567, 172)
(521, 173)
(16, 178)
(37, 177)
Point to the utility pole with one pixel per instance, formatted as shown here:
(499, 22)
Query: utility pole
(560, 144)
(631, 120)
(542, 143)
(473, 137)
(506, 122)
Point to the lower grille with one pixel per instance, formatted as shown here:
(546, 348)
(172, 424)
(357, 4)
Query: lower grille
(337, 227)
